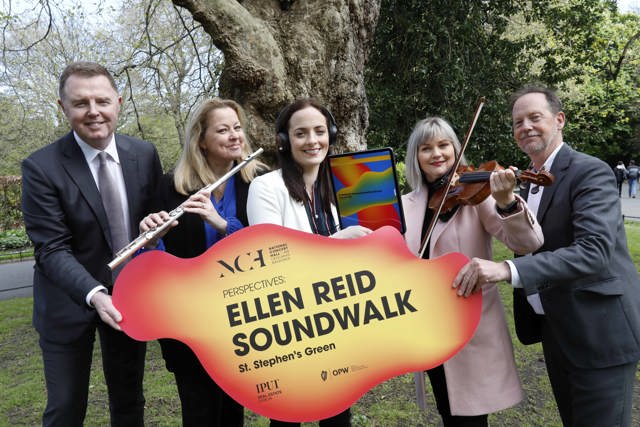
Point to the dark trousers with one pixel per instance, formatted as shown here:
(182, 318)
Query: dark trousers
(343, 419)
(439, 386)
(588, 397)
(67, 368)
(204, 403)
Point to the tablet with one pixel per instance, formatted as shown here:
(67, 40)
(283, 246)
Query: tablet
(366, 189)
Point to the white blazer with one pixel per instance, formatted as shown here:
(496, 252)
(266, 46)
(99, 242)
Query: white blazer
(269, 202)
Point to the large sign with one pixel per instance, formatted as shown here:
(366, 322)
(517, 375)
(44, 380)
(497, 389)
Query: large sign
(295, 326)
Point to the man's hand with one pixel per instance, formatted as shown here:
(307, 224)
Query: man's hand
(152, 221)
(479, 272)
(101, 301)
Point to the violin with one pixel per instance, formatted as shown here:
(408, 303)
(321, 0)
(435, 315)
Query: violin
(470, 186)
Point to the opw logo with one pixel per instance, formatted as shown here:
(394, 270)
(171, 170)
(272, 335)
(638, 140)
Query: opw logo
(340, 371)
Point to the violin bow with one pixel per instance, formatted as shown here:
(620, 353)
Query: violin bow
(436, 214)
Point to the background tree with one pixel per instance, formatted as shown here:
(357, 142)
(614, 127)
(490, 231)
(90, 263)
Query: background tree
(438, 57)
(593, 53)
(276, 51)
(161, 58)
(429, 57)
(169, 65)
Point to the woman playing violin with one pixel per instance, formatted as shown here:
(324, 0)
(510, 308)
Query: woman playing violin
(482, 377)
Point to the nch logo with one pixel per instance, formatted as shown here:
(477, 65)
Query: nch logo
(243, 262)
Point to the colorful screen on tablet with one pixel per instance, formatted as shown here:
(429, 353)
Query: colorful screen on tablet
(366, 189)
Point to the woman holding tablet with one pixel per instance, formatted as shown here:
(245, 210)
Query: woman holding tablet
(299, 194)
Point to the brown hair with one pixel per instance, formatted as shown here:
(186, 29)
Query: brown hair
(555, 105)
(291, 171)
(84, 69)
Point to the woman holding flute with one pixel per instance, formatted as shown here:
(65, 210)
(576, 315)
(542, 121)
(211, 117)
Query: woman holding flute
(215, 141)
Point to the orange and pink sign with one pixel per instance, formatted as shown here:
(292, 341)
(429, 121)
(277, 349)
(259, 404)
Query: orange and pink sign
(295, 326)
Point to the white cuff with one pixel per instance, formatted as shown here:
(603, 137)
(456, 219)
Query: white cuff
(92, 293)
(515, 277)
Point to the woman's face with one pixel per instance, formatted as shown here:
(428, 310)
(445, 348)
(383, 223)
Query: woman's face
(436, 157)
(309, 137)
(223, 138)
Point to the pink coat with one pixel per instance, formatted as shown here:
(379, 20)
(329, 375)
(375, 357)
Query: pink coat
(482, 377)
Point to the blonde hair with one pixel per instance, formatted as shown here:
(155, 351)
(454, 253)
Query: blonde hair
(192, 172)
(424, 131)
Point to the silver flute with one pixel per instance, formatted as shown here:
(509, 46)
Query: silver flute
(148, 235)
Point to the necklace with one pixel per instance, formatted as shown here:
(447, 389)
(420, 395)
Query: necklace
(312, 203)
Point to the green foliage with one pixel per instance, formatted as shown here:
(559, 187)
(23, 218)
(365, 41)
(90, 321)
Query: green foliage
(401, 176)
(592, 54)
(161, 131)
(438, 57)
(10, 211)
(22, 130)
(14, 239)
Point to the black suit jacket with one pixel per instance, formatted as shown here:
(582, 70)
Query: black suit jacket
(587, 282)
(67, 224)
(188, 240)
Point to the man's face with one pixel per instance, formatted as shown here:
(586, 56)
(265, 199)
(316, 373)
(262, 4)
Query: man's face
(92, 107)
(536, 129)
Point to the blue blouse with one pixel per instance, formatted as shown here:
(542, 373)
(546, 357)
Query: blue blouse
(226, 207)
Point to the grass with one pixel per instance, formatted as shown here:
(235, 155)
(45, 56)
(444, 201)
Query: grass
(17, 255)
(391, 403)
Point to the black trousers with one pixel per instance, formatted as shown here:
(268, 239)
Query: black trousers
(343, 419)
(439, 386)
(204, 403)
(67, 368)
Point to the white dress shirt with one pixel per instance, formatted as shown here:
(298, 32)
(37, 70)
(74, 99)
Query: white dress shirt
(113, 164)
(533, 201)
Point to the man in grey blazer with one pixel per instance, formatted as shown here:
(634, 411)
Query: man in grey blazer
(70, 229)
(579, 294)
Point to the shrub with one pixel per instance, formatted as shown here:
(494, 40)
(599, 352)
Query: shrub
(10, 193)
(14, 239)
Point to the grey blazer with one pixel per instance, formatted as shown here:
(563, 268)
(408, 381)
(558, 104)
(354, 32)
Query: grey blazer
(587, 282)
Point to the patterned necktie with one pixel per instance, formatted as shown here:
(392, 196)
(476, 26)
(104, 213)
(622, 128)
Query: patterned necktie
(112, 205)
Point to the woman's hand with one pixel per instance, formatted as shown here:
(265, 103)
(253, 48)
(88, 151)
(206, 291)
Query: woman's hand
(153, 221)
(503, 182)
(200, 204)
(352, 232)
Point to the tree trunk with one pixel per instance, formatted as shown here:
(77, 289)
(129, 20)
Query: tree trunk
(277, 51)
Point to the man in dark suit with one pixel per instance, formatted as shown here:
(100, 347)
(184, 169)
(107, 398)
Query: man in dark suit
(73, 234)
(579, 294)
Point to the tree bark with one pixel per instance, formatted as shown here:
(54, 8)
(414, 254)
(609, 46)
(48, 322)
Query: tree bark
(278, 51)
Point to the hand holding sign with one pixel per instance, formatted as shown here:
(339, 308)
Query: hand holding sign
(296, 326)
